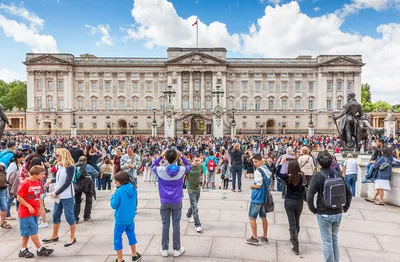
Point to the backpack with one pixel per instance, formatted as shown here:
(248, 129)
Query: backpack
(269, 201)
(334, 195)
(3, 177)
(80, 173)
(211, 165)
(4, 153)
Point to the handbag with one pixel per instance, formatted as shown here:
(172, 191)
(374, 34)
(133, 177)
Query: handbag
(384, 165)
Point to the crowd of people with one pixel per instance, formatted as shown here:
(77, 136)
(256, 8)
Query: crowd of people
(66, 168)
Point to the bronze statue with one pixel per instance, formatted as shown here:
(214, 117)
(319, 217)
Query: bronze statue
(3, 121)
(353, 124)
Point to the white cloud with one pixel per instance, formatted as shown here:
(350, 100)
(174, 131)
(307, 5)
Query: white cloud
(8, 76)
(104, 30)
(292, 37)
(274, 1)
(36, 22)
(159, 25)
(316, 9)
(377, 5)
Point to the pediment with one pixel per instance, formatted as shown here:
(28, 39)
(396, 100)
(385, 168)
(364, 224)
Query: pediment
(46, 60)
(341, 61)
(196, 58)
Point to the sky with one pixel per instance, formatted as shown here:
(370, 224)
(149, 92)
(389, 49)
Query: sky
(247, 28)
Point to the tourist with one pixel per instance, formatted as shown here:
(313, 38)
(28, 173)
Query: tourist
(293, 199)
(335, 165)
(117, 160)
(371, 172)
(147, 168)
(289, 155)
(236, 167)
(76, 152)
(329, 219)
(382, 182)
(13, 173)
(306, 163)
(7, 155)
(350, 172)
(170, 185)
(226, 174)
(194, 178)
(246, 161)
(106, 172)
(124, 202)
(130, 162)
(257, 202)
(29, 197)
(85, 185)
(211, 163)
(272, 168)
(93, 156)
(64, 197)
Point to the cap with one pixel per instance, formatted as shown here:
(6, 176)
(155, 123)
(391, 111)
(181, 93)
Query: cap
(82, 158)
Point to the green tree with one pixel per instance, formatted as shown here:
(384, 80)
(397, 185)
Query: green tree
(13, 94)
(396, 108)
(366, 97)
(381, 105)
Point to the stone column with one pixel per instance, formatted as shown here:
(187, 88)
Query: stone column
(179, 90)
(20, 124)
(223, 88)
(44, 90)
(31, 91)
(213, 85)
(142, 87)
(334, 92)
(70, 93)
(190, 90)
(202, 93)
(357, 85)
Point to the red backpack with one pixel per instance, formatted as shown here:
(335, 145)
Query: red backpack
(211, 165)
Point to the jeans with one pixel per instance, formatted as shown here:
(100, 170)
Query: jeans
(99, 183)
(329, 227)
(68, 206)
(369, 171)
(193, 209)
(293, 208)
(166, 210)
(226, 183)
(351, 183)
(9, 201)
(106, 181)
(236, 171)
(88, 205)
(284, 188)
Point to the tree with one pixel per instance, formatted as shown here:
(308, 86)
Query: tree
(366, 98)
(396, 108)
(13, 94)
(381, 105)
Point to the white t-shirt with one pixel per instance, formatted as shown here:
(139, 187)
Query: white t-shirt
(351, 166)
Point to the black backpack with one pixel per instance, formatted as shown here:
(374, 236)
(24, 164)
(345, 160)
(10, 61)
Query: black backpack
(3, 177)
(334, 195)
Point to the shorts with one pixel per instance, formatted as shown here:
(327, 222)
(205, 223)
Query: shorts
(210, 178)
(130, 233)
(3, 200)
(28, 226)
(257, 209)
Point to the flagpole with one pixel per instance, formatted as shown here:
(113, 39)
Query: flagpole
(197, 32)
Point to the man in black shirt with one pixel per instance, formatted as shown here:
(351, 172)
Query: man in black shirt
(76, 152)
(328, 218)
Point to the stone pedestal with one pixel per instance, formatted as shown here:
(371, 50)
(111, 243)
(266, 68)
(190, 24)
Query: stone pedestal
(233, 130)
(311, 131)
(392, 196)
(362, 160)
(169, 127)
(218, 127)
(390, 125)
(154, 129)
(74, 131)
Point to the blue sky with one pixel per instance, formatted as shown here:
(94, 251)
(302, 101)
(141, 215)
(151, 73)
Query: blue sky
(132, 28)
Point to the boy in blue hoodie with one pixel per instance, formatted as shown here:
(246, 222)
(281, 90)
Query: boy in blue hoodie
(124, 202)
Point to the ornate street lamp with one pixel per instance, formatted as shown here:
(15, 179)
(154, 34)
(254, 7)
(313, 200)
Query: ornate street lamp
(168, 92)
(218, 92)
(154, 124)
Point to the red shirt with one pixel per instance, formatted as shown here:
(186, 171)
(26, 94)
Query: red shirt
(30, 191)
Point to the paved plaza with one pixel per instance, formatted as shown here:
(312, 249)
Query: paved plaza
(367, 233)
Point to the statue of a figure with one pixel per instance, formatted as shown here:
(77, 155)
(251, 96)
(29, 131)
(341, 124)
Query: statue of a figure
(3, 121)
(349, 121)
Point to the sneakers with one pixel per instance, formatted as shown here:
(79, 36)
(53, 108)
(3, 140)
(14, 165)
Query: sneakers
(190, 219)
(252, 241)
(367, 181)
(26, 253)
(179, 252)
(45, 252)
(43, 225)
(89, 219)
(263, 240)
(164, 253)
(136, 258)
(199, 230)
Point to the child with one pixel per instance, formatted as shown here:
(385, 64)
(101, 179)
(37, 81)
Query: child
(195, 178)
(124, 202)
(29, 204)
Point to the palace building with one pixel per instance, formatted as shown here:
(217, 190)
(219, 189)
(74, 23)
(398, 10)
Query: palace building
(117, 94)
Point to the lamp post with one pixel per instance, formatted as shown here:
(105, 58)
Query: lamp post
(311, 125)
(38, 124)
(108, 128)
(261, 128)
(233, 123)
(168, 92)
(154, 124)
(218, 92)
(169, 120)
(131, 128)
(135, 124)
(283, 127)
(73, 125)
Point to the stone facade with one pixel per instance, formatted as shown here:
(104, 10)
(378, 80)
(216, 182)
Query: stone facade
(118, 94)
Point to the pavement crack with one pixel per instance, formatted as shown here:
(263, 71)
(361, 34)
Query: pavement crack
(378, 242)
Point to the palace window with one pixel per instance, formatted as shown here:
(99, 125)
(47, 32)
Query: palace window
(196, 85)
(94, 104)
(310, 87)
(230, 104)
(208, 103)
(297, 86)
(244, 85)
(196, 103)
(108, 85)
(80, 86)
(149, 104)
(162, 104)
(80, 104)
(284, 101)
(244, 126)
(121, 85)
(185, 103)
(339, 86)
(60, 85)
(135, 103)
(329, 104)
(81, 125)
(149, 86)
(270, 104)
(230, 86)
(297, 104)
(329, 85)
(39, 85)
(297, 125)
(339, 104)
(94, 85)
(208, 84)
(50, 85)
(185, 86)
(161, 86)
(310, 104)
(258, 106)
(94, 125)
(244, 104)
(284, 86)
(49, 103)
(61, 103)
(122, 104)
(39, 103)
(349, 86)
(108, 104)
(135, 86)
(271, 86)
(258, 86)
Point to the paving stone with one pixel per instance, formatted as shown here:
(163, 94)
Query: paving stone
(278, 232)
(308, 252)
(155, 203)
(357, 255)
(359, 204)
(348, 239)
(76, 258)
(389, 243)
(381, 216)
(236, 248)
(353, 213)
(8, 247)
(240, 216)
(226, 204)
(305, 220)
(218, 228)
(154, 227)
(184, 258)
(374, 227)
(196, 246)
(392, 208)
(144, 258)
